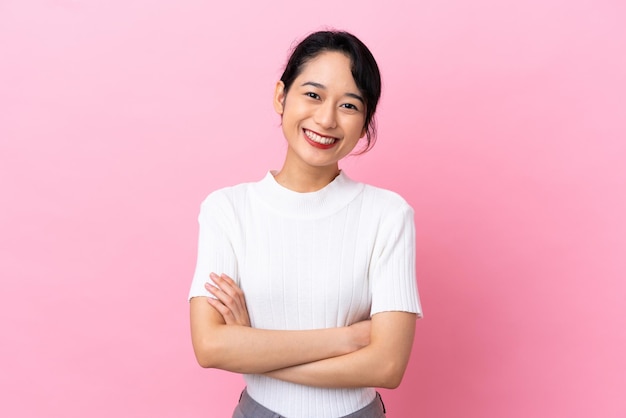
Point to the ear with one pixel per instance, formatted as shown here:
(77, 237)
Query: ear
(363, 132)
(279, 98)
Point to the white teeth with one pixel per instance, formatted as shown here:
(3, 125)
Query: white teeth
(319, 139)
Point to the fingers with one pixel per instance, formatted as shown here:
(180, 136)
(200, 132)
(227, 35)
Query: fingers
(230, 301)
(227, 279)
(224, 304)
(226, 313)
(221, 294)
(229, 293)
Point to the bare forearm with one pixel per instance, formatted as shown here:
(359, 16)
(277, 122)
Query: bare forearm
(243, 349)
(351, 370)
(380, 364)
(249, 350)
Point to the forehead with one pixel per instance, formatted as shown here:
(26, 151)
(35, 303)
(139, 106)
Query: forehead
(331, 68)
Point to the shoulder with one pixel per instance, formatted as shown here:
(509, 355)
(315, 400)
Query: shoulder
(225, 194)
(227, 199)
(385, 201)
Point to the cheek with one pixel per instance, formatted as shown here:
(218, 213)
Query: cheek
(292, 114)
(357, 127)
(290, 123)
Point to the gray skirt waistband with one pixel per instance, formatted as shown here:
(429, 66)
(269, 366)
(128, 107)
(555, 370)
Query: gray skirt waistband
(249, 408)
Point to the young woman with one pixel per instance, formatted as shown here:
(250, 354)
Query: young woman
(326, 264)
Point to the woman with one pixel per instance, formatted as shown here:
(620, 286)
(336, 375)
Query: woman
(315, 253)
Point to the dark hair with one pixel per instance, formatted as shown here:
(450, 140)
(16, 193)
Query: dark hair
(364, 68)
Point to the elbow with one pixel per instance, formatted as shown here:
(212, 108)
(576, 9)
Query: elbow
(204, 362)
(391, 382)
(212, 352)
(391, 375)
(206, 354)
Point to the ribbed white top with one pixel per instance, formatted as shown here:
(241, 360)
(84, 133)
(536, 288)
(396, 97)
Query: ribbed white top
(310, 260)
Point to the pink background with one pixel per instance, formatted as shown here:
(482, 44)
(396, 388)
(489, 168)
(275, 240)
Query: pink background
(501, 122)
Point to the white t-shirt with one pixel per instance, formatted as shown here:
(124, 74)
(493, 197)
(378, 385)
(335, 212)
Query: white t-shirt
(323, 259)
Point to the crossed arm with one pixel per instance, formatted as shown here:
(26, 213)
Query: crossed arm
(367, 354)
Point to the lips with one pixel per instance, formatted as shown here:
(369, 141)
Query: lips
(319, 141)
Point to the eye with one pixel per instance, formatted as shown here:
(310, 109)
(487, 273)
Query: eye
(312, 95)
(349, 106)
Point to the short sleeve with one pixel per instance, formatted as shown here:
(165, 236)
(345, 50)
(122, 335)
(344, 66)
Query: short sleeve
(215, 243)
(392, 272)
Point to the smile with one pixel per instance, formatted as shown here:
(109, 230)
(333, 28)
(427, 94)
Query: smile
(319, 139)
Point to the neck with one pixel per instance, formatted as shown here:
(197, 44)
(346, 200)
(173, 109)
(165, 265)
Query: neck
(306, 179)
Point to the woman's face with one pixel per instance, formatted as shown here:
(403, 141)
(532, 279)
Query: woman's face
(323, 114)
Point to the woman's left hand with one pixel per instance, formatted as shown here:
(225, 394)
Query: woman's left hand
(230, 302)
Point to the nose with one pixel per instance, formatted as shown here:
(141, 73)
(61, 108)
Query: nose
(325, 115)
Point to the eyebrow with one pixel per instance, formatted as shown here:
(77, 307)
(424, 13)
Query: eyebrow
(323, 87)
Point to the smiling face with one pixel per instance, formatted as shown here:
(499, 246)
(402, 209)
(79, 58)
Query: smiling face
(323, 113)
